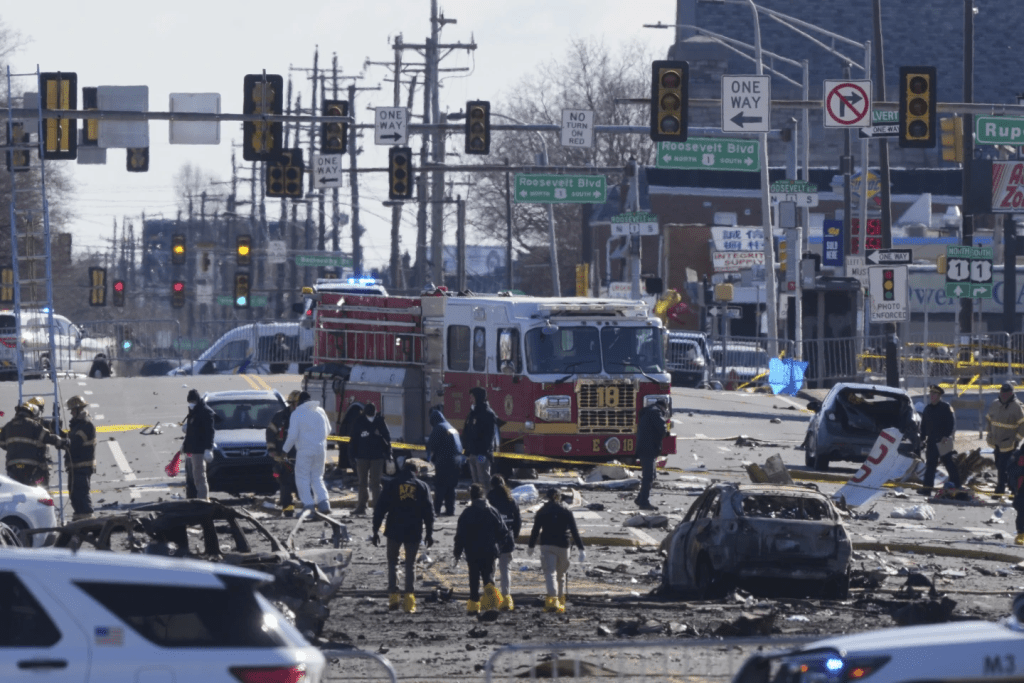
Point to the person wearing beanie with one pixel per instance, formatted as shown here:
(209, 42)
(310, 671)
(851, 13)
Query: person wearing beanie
(198, 445)
(1005, 421)
(555, 527)
(480, 533)
(308, 429)
(501, 500)
(479, 435)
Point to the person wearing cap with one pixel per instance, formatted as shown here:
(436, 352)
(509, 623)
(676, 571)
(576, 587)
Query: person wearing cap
(25, 440)
(938, 423)
(651, 433)
(284, 461)
(308, 429)
(198, 445)
(81, 458)
(1005, 420)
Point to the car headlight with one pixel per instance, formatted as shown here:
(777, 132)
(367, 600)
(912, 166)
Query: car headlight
(651, 399)
(553, 408)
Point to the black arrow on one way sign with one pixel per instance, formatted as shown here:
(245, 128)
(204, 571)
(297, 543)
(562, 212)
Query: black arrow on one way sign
(394, 136)
(740, 119)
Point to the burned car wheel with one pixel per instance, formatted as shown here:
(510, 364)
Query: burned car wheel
(711, 584)
(808, 456)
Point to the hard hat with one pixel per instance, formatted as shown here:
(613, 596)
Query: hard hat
(38, 401)
(76, 403)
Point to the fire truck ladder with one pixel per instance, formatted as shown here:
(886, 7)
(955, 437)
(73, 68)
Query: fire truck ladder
(31, 260)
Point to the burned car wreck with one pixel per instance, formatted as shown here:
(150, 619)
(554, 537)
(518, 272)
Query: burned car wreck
(305, 580)
(758, 535)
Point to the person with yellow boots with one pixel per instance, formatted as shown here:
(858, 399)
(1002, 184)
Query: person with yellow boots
(555, 525)
(501, 499)
(406, 503)
(1015, 479)
(481, 533)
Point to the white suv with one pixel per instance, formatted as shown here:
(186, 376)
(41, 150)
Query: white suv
(101, 616)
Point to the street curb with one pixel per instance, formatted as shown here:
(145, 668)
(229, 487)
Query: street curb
(943, 551)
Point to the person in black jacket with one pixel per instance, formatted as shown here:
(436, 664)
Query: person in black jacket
(501, 500)
(478, 436)
(25, 439)
(480, 533)
(555, 524)
(650, 434)
(370, 446)
(81, 457)
(284, 463)
(406, 503)
(199, 433)
(443, 449)
(938, 422)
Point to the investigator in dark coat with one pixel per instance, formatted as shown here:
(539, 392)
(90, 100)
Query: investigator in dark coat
(650, 434)
(25, 440)
(444, 447)
(555, 527)
(1015, 480)
(199, 435)
(81, 458)
(500, 498)
(370, 445)
(480, 533)
(284, 463)
(938, 422)
(478, 437)
(406, 504)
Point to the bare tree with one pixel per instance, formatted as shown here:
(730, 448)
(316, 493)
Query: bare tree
(190, 182)
(590, 75)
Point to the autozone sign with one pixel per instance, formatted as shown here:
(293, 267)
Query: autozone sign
(732, 261)
(1008, 186)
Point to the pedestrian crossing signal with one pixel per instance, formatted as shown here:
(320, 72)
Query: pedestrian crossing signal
(97, 286)
(7, 286)
(285, 173)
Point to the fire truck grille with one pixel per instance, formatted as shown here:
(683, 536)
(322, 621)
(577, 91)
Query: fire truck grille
(608, 407)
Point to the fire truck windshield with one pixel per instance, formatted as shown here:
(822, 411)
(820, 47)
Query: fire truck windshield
(580, 350)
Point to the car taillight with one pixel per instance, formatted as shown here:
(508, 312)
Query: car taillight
(46, 501)
(269, 674)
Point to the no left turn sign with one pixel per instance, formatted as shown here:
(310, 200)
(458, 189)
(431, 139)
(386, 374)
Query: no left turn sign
(847, 104)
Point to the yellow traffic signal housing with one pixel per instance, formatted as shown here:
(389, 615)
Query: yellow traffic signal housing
(178, 254)
(59, 91)
(478, 127)
(670, 85)
(178, 294)
(334, 135)
(17, 159)
(242, 249)
(400, 173)
(138, 159)
(7, 286)
(285, 173)
(952, 139)
(917, 106)
(723, 292)
(263, 95)
(97, 286)
(90, 127)
(242, 290)
(940, 264)
(783, 254)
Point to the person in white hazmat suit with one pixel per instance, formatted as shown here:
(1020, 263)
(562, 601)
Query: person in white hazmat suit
(307, 433)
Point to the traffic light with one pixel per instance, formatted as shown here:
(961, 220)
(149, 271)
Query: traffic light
(59, 91)
(284, 174)
(178, 250)
(97, 286)
(242, 243)
(952, 139)
(888, 284)
(263, 95)
(670, 100)
(241, 290)
(17, 159)
(90, 127)
(783, 252)
(334, 136)
(399, 173)
(917, 106)
(119, 293)
(478, 127)
(7, 286)
(138, 159)
(177, 294)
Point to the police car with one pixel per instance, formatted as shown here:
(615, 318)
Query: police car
(112, 617)
(957, 651)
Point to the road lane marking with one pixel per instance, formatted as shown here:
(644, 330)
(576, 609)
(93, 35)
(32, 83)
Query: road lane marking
(122, 464)
(87, 393)
(81, 384)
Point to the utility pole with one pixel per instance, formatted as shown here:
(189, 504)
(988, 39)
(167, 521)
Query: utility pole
(460, 244)
(335, 206)
(967, 230)
(396, 208)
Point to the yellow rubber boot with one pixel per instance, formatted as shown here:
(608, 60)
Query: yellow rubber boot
(394, 600)
(507, 605)
(491, 599)
(409, 603)
(1019, 540)
(472, 607)
(551, 604)
(561, 605)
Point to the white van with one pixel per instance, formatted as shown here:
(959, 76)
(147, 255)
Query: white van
(255, 349)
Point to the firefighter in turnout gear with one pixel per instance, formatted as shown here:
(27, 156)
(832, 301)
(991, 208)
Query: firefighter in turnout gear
(80, 460)
(25, 440)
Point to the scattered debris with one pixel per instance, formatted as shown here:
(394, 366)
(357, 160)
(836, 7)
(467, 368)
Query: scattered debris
(647, 521)
(749, 624)
(922, 512)
(773, 472)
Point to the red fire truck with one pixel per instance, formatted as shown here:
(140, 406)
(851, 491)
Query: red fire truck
(567, 376)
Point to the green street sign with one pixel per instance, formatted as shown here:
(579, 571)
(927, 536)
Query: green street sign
(255, 301)
(323, 261)
(968, 272)
(711, 154)
(998, 130)
(793, 186)
(968, 290)
(560, 189)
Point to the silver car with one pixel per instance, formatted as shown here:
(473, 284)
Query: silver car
(27, 507)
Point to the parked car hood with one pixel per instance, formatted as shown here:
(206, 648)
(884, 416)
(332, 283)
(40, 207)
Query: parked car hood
(240, 437)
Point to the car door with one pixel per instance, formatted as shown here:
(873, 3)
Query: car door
(39, 640)
(698, 534)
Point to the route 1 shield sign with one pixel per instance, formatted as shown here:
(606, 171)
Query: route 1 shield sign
(847, 104)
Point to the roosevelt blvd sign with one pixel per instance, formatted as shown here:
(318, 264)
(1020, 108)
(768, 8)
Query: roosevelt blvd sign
(710, 154)
(638, 223)
(800, 192)
(998, 130)
(560, 189)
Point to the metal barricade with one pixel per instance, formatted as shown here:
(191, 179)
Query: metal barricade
(710, 659)
(965, 360)
(843, 359)
(134, 347)
(357, 665)
(743, 361)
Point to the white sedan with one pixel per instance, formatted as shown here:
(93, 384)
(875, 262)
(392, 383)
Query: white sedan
(27, 507)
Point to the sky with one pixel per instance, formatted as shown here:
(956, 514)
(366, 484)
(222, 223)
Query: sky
(188, 46)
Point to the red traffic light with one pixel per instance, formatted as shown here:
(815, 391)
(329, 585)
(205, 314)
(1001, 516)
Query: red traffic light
(118, 285)
(179, 286)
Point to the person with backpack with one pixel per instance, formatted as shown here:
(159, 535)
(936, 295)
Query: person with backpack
(500, 498)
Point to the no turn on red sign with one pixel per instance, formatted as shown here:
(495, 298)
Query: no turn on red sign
(847, 104)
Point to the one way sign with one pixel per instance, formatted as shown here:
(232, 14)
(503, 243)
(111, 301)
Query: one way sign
(746, 104)
(889, 257)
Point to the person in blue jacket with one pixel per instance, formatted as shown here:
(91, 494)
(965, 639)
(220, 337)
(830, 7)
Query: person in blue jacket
(444, 447)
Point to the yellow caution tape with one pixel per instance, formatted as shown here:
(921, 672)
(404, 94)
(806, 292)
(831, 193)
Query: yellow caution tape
(119, 428)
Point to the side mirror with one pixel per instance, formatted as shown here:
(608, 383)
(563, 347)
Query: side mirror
(814, 406)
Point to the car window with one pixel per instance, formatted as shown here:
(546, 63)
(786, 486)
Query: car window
(697, 505)
(711, 506)
(231, 355)
(23, 621)
(775, 506)
(236, 414)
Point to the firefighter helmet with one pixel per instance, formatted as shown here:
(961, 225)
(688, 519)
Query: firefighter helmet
(39, 402)
(30, 408)
(76, 403)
